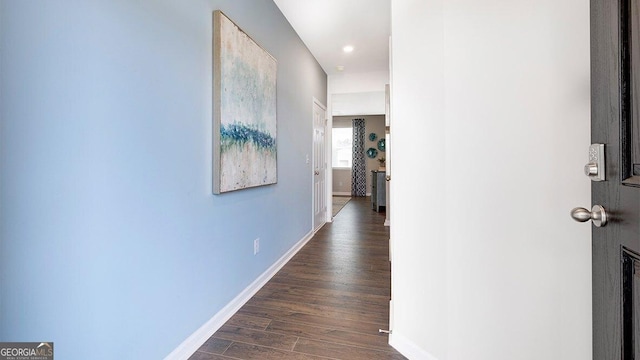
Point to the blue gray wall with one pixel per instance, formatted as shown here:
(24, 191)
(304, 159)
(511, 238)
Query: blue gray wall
(112, 244)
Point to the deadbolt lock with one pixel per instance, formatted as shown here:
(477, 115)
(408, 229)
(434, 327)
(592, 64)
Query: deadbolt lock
(595, 168)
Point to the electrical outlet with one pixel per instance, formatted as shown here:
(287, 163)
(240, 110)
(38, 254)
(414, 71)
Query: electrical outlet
(256, 246)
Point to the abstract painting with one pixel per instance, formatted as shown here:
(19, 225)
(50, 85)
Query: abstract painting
(244, 110)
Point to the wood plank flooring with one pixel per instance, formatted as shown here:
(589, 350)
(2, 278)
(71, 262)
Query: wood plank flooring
(328, 302)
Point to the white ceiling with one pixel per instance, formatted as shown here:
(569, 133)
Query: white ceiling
(326, 26)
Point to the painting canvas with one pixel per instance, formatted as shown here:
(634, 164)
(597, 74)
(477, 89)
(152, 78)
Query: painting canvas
(244, 110)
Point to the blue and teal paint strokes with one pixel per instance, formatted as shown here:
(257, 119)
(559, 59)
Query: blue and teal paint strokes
(248, 145)
(239, 134)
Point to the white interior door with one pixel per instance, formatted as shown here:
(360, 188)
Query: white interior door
(319, 165)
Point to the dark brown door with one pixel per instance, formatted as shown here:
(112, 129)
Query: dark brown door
(615, 122)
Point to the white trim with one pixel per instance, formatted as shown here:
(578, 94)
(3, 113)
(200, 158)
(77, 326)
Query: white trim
(407, 348)
(346, 193)
(341, 193)
(386, 221)
(195, 340)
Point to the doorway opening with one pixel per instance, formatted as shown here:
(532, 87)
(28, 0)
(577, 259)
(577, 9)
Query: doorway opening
(342, 156)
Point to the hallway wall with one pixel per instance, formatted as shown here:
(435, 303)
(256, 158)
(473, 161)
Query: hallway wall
(111, 243)
(488, 264)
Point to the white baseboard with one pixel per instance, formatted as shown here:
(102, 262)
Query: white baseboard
(344, 193)
(195, 340)
(387, 222)
(407, 348)
(341, 193)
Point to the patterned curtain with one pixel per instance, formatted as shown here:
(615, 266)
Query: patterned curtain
(358, 171)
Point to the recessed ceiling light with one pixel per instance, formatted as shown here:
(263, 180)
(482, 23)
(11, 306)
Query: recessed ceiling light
(339, 67)
(347, 49)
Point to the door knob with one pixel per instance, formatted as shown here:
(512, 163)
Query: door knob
(317, 172)
(597, 214)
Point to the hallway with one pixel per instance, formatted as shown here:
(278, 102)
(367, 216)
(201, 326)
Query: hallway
(328, 302)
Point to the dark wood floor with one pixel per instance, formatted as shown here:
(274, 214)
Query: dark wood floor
(328, 302)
